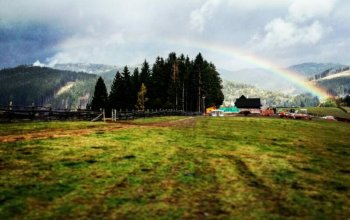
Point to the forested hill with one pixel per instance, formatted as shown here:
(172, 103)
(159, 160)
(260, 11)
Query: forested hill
(311, 69)
(337, 83)
(24, 85)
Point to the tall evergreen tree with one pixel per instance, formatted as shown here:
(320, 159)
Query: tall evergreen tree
(115, 96)
(188, 84)
(197, 82)
(145, 73)
(127, 97)
(173, 89)
(135, 84)
(100, 98)
(157, 86)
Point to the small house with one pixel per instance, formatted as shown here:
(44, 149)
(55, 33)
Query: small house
(248, 105)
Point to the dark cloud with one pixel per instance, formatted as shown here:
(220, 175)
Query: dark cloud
(126, 32)
(24, 43)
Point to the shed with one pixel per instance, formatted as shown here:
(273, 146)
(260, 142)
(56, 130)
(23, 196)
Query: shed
(248, 103)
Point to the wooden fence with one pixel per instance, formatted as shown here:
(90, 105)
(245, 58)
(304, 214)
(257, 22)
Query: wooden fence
(34, 113)
(15, 113)
(127, 115)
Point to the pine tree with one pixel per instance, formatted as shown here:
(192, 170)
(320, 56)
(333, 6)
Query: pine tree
(197, 82)
(145, 73)
(135, 84)
(115, 96)
(100, 98)
(141, 98)
(127, 102)
(173, 89)
(157, 85)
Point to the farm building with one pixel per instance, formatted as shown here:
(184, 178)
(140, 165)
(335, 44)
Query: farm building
(209, 109)
(250, 105)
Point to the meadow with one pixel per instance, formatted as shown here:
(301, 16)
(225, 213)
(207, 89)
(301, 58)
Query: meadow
(324, 111)
(176, 168)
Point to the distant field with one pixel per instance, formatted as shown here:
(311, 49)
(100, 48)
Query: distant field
(324, 111)
(347, 109)
(157, 119)
(176, 168)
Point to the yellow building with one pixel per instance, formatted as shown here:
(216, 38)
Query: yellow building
(208, 110)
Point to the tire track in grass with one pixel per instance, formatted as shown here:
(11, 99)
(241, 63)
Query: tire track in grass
(274, 200)
(197, 187)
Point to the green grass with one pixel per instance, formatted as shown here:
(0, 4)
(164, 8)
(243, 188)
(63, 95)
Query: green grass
(23, 128)
(347, 109)
(157, 119)
(323, 111)
(215, 168)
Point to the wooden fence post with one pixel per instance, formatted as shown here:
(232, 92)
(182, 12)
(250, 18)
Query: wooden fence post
(104, 118)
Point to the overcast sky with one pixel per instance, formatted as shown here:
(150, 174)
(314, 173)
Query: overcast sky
(120, 32)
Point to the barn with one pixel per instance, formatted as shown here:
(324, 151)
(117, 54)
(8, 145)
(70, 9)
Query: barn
(248, 105)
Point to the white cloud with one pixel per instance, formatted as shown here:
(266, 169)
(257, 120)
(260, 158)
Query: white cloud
(299, 27)
(281, 34)
(199, 17)
(302, 10)
(38, 63)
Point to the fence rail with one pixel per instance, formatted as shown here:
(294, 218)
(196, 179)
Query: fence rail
(20, 113)
(16, 113)
(127, 115)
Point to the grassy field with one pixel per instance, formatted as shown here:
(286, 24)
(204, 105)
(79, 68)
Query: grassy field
(324, 111)
(347, 109)
(176, 168)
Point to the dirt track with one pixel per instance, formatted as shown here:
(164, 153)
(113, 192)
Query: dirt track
(57, 133)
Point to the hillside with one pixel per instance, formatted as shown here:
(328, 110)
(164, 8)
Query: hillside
(233, 90)
(311, 69)
(265, 80)
(338, 83)
(106, 71)
(86, 67)
(262, 79)
(25, 85)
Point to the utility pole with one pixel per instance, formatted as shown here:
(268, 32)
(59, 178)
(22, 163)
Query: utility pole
(203, 98)
(183, 96)
(175, 73)
(199, 91)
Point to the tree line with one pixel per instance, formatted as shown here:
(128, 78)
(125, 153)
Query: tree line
(176, 82)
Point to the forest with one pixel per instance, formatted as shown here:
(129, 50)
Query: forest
(178, 83)
(26, 85)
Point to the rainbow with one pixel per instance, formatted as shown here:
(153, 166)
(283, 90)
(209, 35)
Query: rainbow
(254, 60)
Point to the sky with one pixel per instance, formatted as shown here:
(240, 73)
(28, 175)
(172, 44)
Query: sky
(118, 32)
